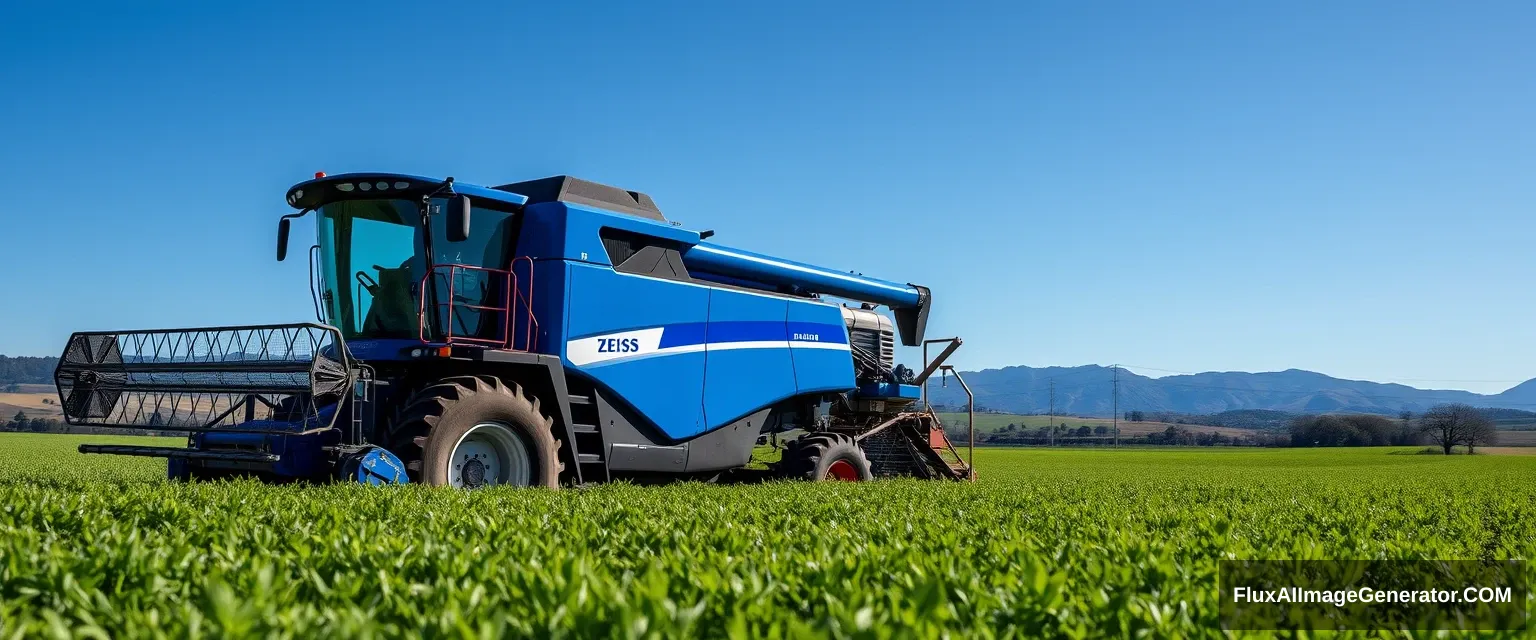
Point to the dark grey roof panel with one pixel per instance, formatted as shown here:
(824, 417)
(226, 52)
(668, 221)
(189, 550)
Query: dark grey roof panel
(576, 190)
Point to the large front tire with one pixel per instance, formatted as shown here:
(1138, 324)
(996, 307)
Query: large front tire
(475, 431)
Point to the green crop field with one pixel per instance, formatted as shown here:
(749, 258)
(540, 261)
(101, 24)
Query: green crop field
(1049, 542)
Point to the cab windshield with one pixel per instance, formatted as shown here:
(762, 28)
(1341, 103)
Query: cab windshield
(372, 267)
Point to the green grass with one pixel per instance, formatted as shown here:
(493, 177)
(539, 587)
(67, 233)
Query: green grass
(1049, 542)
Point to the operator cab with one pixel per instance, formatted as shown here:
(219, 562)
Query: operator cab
(370, 253)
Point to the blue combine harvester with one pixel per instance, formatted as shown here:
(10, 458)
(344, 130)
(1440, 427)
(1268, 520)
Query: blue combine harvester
(548, 332)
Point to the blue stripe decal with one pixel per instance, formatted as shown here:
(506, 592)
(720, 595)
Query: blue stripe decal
(683, 334)
(691, 333)
(747, 331)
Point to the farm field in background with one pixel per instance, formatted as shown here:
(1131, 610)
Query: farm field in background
(993, 422)
(36, 400)
(1517, 439)
(1049, 542)
(989, 422)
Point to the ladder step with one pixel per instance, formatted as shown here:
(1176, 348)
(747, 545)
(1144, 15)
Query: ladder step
(588, 458)
(575, 399)
(584, 428)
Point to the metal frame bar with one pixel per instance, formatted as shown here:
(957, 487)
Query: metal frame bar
(176, 452)
(930, 367)
(970, 427)
(937, 365)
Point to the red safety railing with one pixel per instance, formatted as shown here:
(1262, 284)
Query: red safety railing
(511, 312)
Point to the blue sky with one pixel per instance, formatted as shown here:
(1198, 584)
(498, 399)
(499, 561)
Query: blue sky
(1341, 187)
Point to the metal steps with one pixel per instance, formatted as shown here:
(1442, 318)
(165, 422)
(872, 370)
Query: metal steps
(590, 450)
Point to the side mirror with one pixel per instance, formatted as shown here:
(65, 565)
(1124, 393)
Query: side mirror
(282, 238)
(458, 218)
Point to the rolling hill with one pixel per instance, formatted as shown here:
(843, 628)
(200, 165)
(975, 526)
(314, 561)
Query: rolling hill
(1088, 390)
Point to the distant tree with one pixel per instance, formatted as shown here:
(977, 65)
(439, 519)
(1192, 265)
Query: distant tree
(1448, 425)
(1211, 439)
(1101, 430)
(1406, 417)
(1481, 434)
(1084, 431)
(20, 419)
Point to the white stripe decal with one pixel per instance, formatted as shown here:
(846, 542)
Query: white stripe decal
(835, 346)
(755, 344)
(613, 346)
(591, 352)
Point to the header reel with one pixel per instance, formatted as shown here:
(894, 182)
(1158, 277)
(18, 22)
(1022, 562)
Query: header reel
(254, 379)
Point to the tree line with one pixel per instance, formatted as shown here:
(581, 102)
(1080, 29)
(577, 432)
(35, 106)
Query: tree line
(1447, 426)
(22, 423)
(1083, 435)
(26, 370)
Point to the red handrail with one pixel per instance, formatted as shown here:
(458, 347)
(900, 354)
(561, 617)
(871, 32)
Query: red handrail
(531, 329)
(512, 294)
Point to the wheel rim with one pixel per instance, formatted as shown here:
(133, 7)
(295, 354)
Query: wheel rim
(842, 470)
(490, 454)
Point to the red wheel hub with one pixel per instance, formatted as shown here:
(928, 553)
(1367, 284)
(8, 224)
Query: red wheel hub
(842, 470)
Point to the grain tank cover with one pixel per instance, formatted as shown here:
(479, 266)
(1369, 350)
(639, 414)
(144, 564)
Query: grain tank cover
(586, 192)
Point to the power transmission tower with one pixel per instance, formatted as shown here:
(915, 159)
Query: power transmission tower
(1115, 403)
(1052, 423)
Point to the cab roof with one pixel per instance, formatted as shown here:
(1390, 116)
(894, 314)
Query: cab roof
(311, 194)
(586, 192)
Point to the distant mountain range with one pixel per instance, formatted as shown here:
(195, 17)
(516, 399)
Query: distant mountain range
(1089, 391)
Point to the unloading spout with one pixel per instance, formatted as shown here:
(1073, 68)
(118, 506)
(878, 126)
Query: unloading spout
(909, 301)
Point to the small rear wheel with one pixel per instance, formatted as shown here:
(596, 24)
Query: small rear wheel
(825, 455)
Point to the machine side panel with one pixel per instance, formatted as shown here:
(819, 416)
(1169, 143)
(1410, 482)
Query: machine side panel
(542, 236)
(548, 297)
(748, 364)
(727, 447)
(819, 346)
(543, 233)
(641, 338)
